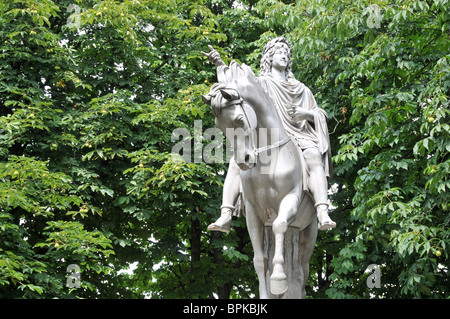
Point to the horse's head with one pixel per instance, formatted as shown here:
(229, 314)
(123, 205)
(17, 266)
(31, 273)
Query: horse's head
(237, 120)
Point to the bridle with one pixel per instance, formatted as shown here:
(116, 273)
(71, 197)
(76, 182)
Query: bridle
(256, 151)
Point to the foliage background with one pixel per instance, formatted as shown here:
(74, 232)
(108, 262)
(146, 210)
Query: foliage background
(90, 96)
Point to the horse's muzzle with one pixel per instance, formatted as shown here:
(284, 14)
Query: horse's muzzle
(248, 161)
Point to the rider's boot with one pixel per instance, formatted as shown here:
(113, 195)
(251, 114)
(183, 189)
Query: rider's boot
(223, 224)
(325, 221)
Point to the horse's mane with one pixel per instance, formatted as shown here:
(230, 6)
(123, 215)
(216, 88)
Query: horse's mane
(220, 94)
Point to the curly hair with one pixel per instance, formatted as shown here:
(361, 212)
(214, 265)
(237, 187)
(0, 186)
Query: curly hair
(267, 56)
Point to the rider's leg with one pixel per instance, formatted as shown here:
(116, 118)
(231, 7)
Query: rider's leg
(318, 186)
(230, 194)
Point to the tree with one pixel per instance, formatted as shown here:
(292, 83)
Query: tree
(94, 93)
(91, 92)
(39, 202)
(381, 71)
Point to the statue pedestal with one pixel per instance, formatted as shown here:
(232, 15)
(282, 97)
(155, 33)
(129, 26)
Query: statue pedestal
(292, 262)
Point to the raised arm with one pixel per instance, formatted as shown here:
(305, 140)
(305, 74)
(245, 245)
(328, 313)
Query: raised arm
(213, 56)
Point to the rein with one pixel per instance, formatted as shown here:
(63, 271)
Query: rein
(256, 150)
(269, 147)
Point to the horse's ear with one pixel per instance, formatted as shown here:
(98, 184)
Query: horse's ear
(206, 99)
(229, 94)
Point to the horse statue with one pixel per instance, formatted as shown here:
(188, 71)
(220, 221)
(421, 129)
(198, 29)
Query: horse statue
(271, 175)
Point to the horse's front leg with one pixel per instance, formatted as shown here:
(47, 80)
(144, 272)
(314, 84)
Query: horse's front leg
(286, 214)
(256, 232)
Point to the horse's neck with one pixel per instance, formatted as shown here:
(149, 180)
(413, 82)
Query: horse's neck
(268, 117)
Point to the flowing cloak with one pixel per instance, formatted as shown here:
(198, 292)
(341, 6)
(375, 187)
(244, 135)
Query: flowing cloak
(285, 95)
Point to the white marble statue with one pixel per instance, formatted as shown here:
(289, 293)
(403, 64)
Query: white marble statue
(303, 121)
(280, 165)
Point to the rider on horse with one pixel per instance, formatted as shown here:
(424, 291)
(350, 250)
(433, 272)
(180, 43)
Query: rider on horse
(302, 119)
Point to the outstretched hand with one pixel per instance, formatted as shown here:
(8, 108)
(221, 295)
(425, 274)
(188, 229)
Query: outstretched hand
(213, 56)
(235, 75)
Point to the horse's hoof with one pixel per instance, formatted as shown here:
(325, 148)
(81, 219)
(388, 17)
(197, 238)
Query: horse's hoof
(278, 286)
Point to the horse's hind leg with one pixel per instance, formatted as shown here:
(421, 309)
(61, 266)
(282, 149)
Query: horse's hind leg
(307, 241)
(256, 232)
(286, 214)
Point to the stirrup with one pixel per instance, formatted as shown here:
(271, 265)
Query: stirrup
(327, 225)
(225, 227)
(328, 222)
